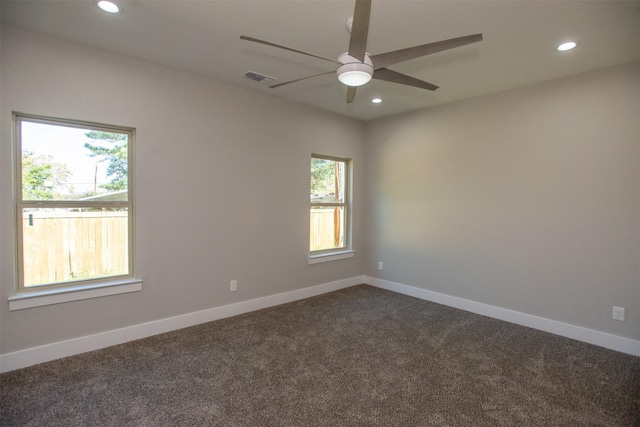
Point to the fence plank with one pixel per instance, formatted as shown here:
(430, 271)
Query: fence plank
(94, 244)
(78, 245)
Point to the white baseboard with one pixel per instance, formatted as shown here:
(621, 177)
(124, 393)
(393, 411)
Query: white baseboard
(32, 356)
(602, 339)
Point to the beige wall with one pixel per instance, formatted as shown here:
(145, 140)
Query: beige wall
(527, 200)
(222, 180)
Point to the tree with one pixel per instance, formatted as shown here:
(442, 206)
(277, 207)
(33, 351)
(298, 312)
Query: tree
(42, 178)
(322, 176)
(114, 151)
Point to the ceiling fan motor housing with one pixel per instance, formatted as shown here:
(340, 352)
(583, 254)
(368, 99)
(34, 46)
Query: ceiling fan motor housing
(354, 72)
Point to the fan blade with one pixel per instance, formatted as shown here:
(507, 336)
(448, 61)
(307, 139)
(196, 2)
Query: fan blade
(303, 78)
(351, 93)
(395, 77)
(251, 39)
(385, 59)
(360, 29)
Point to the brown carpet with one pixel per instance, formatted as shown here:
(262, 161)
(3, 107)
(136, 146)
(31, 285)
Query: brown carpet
(357, 357)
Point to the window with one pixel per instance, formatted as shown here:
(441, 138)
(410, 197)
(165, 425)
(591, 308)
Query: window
(330, 213)
(74, 202)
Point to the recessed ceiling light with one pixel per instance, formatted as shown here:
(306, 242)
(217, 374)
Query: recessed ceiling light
(566, 46)
(107, 6)
(376, 100)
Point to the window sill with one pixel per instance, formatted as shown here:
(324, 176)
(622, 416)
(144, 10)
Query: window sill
(331, 256)
(41, 298)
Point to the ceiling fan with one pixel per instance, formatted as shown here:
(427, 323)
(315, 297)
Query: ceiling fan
(356, 67)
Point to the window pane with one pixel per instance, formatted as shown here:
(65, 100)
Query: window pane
(74, 244)
(327, 228)
(68, 163)
(327, 181)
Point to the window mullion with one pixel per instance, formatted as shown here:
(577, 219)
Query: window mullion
(328, 205)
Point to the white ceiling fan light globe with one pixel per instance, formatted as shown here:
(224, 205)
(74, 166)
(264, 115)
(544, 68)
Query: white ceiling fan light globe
(354, 78)
(354, 72)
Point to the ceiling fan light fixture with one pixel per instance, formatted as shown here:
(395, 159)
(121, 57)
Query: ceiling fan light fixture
(354, 78)
(353, 72)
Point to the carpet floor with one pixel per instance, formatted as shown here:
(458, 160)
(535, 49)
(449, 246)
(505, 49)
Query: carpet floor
(360, 356)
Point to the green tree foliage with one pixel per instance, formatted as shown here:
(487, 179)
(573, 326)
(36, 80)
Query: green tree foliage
(322, 176)
(42, 178)
(112, 149)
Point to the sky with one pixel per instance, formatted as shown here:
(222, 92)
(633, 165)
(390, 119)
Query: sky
(66, 145)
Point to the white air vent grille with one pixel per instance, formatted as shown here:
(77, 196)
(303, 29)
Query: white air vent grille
(257, 77)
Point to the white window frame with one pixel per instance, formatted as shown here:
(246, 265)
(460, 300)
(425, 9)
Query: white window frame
(345, 251)
(54, 293)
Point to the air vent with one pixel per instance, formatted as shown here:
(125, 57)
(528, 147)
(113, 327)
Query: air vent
(257, 77)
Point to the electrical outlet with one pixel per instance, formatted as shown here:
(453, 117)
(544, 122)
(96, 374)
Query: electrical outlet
(618, 313)
(380, 266)
(233, 285)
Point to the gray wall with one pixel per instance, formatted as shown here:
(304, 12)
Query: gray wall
(222, 180)
(527, 200)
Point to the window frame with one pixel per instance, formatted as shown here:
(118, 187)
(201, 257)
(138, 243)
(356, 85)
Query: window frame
(346, 250)
(89, 284)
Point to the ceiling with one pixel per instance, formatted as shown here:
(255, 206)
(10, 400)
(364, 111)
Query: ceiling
(202, 37)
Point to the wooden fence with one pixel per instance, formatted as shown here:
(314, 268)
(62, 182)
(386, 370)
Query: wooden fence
(78, 245)
(325, 228)
(74, 245)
